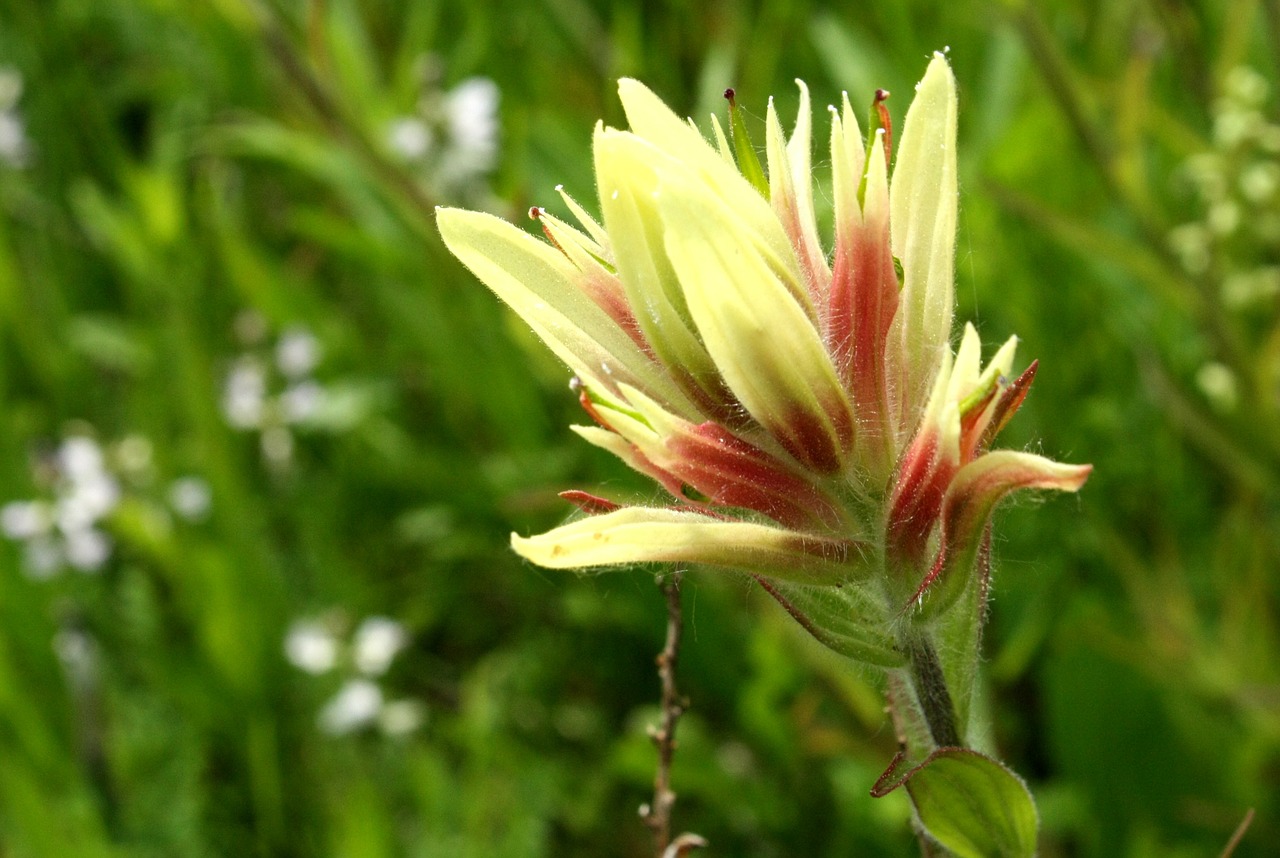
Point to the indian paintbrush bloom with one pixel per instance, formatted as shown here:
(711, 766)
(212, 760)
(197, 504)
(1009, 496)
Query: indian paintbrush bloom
(803, 408)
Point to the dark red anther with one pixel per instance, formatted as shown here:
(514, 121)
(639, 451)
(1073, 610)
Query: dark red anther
(536, 213)
(882, 95)
(729, 96)
(584, 399)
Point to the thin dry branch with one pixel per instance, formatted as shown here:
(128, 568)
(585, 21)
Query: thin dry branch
(657, 816)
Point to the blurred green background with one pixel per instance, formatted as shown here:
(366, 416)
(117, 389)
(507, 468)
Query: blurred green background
(247, 399)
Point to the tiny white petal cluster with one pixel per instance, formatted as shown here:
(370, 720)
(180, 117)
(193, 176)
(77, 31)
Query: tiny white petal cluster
(451, 138)
(1234, 241)
(64, 529)
(82, 483)
(270, 390)
(320, 646)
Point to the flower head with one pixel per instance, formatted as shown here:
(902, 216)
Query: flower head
(803, 408)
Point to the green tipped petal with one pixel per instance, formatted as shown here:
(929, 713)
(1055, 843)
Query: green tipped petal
(636, 535)
(922, 203)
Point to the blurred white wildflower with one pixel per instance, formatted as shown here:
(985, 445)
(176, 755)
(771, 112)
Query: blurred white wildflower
(62, 529)
(318, 646)
(1234, 241)
(451, 139)
(297, 352)
(311, 647)
(272, 391)
(87, 549)
(23, 520)
(356, 705)
(302, 401)
(410, 138)
(377, 641)
(14, 147)
(80, 485)
(244, 396)
(471, 112)
(191, 498)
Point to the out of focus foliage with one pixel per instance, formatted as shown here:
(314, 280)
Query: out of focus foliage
(246, 398)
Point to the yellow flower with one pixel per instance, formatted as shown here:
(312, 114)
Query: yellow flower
(802, 408)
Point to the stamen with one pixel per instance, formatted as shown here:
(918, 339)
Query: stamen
(536, 213)
(880, 117)
(589, 406)
(881, 123)
(885, 122)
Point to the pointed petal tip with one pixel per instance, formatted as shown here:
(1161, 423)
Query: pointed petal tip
(632, 535)
(940, 61)
(1076, 480)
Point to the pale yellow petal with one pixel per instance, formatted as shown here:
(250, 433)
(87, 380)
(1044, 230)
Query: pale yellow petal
(791, 192)
(639, 535)
(763, 342)
(923, 195)
(626, 171)
(537, 282)
(655, 122)
(593, 228)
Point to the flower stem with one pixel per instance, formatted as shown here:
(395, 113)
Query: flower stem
(931, 690)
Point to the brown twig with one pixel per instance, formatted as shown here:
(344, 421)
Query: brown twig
(657, 816)
(1238, 834)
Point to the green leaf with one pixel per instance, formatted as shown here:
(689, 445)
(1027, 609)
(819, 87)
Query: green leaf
(973, 805)
(847, 620)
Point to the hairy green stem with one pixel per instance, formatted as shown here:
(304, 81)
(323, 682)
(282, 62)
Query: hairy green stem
(931, 690)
